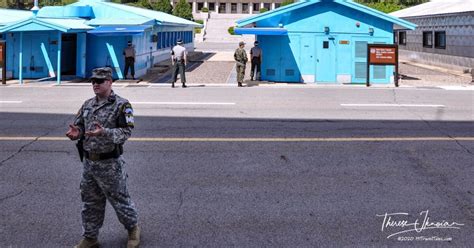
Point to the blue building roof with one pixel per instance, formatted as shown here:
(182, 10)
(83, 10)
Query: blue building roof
(85, 15)
(284, 11)
(8, 16)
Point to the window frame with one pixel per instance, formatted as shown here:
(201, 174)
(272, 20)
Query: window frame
(436, 41)
(402, 40)
(429, 34)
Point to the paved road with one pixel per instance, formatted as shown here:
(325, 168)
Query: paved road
(212, 168)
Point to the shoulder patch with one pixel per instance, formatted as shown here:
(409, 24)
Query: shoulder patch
(128, 113)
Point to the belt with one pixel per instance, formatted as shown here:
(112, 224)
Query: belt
(102, 156)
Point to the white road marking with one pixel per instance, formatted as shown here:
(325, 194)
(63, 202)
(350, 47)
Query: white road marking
(185, 103)
(392, 105)
(11, 101)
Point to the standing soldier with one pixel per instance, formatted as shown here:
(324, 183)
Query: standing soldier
(240, 57)
(129, 53)
(102, 126)
(256, 55)
(179, 61)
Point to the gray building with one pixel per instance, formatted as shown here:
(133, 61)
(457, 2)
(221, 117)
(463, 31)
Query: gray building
(444, 36)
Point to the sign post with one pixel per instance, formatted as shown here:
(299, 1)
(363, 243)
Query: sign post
(3, 64)
(381, 54)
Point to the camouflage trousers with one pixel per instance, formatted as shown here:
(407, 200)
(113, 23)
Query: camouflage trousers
(101, 181)
(240, 73)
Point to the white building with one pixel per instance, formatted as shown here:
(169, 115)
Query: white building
(444, 36)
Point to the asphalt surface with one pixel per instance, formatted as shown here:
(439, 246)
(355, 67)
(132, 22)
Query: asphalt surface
(244, 190)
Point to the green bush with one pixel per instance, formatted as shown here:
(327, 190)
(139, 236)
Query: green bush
(286, 2)
(231, 30)
(199, 21)
(205, 10)
(262, 10)
(197, 30)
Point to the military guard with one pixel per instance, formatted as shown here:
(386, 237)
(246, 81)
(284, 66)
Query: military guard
(256, 61)
(179, 61)
(102, 126)
(129, 54)
(240, 57)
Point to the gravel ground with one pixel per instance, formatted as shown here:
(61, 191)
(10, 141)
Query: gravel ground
(418, 76)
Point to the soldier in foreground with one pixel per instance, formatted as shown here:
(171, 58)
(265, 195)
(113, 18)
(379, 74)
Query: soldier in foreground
(102, 126)
(240, 57)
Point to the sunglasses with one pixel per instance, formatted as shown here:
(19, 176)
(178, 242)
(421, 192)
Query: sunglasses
(98, 81)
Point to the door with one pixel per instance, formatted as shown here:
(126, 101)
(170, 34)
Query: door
(34, 63)
(326, 62)
(81, 55)
(308, 59)
(289, 50)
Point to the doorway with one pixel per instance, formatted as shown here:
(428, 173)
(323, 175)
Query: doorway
(68, 53)
(326, 59)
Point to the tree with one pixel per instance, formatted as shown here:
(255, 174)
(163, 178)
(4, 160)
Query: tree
(183, 10)
(163, 6)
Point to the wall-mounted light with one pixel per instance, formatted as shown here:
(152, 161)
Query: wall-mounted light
(371, 31)
(326, 30)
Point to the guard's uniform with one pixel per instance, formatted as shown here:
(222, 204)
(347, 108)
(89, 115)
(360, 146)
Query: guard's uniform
(104, 176)
(240, 56)
(179, 57)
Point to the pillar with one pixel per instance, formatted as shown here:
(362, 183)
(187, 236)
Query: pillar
(58, 74)
(273, 5)
(194, 6)
(205, 4)
(20, 63)
(250, 8)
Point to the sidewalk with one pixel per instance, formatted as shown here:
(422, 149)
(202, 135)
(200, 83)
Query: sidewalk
(217, 69)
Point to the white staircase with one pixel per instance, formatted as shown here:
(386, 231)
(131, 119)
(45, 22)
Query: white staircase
(217, 26)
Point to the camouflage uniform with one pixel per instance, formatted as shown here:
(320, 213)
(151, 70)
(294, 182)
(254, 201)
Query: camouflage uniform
(240, 56)
(105, 179)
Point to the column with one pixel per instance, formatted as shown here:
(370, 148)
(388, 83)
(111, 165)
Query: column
(205, 4)
(217, 7)
(261, 5)
(194, 6)
(250, 7)
(172, 3)
(239, 8)
(273, 5)
(20, 63)
(58, 74)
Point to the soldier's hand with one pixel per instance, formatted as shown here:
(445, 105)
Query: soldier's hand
(99, 130)
(73, 132)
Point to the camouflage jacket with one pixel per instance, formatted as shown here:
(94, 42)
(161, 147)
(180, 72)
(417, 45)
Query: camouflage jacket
(115, 115)
(240, 55)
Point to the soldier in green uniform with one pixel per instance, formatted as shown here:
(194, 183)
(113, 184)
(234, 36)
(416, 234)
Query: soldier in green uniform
(102, 126)
(240, 57)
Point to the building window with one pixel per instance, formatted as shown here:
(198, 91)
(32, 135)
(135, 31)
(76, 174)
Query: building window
(233, 8)
(402, 38)
(440, 39)
(277, 5)
(256, 7)
(212, 6)
(245, 8)
(222, 7)
(200, 5)
(267, 6)
(428, 39)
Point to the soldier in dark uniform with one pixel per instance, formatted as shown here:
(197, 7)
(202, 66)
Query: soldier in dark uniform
(240, 57)
(102, 126)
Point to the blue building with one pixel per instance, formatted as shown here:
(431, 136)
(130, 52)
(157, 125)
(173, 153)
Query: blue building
(72, 40)
(321, 41)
